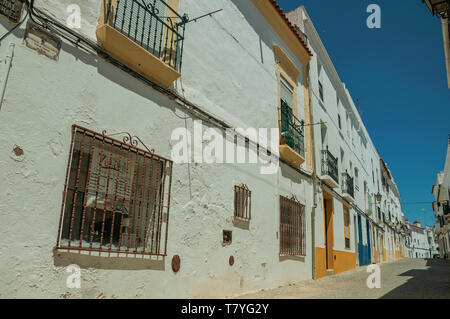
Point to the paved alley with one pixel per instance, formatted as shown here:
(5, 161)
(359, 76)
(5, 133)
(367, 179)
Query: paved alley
(406, 279)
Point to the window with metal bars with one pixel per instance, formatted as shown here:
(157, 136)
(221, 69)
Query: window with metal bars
(242, 202)
(116, 196)
(292, 227)
(12, 9)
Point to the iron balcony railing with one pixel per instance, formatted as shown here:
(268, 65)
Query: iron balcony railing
(330, 165)
(292, 129)
(347, 184)
(152, 24)
(446, 208)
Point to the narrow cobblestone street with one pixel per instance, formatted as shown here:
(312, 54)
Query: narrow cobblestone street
(405, 279)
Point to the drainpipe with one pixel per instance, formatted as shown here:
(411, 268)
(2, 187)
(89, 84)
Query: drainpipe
(313, 211)
(9, 59)
(314, 174)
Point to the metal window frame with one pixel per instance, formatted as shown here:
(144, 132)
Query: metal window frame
(242, 202)
(292, 227)
(127, 146)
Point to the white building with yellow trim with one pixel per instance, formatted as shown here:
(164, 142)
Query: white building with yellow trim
(89, 123)
(348, 223)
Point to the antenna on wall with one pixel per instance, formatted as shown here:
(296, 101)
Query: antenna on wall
(202, 16)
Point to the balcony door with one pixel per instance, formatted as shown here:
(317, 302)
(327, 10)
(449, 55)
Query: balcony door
(145, 22)
(287, 107)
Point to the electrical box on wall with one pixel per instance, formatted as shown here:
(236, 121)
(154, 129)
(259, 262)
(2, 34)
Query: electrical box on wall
(12, 9)
(41, 40)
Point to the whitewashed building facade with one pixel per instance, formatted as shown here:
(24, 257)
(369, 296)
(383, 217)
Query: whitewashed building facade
(421, 241)
(349, 169)
(93, 116)
(441, 208)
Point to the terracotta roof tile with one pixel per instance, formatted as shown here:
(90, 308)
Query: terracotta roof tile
(300, 35)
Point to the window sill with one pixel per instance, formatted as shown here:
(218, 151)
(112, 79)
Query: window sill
(128, 52)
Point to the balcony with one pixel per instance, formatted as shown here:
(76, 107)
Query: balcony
(446, 208)
(330, 169)
(437, 228)
(146, 35)
(379, 219)
(348, 190)
(292, 141)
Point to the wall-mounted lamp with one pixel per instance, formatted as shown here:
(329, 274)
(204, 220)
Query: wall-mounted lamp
(378, 198)
(438, 7)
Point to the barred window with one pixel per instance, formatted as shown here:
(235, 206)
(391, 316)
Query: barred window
(242, 202)
(292, 227)
(116, 196)
(12, 9)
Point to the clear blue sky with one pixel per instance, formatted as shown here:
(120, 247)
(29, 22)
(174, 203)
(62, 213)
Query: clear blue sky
(399, 71)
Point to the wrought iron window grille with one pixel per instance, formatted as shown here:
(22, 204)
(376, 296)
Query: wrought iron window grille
(292, 227)
(242, 202)
(116, 196)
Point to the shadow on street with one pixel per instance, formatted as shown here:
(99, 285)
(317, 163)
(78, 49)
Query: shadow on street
(431, 283)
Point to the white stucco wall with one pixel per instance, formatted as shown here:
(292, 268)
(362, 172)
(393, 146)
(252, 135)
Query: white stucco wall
(44, 98)
(336, 140)
(219, 51)
(229, 70)
(351, 138)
